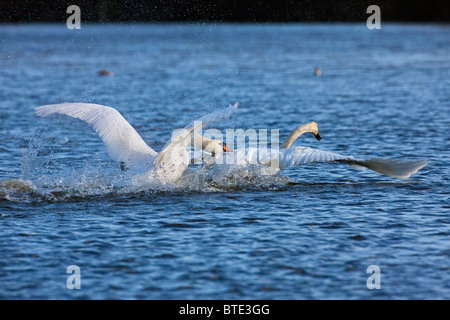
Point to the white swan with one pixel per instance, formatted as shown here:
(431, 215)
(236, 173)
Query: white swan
(279, 159)
(126, 146)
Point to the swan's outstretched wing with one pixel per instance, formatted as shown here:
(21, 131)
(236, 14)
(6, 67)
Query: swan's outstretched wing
(303, 155)
(391, 167)
(172, 157)
(122, 142)
(395, 168)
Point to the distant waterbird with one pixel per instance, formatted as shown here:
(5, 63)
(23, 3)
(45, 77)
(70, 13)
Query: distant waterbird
(105, 73)
(317, 71)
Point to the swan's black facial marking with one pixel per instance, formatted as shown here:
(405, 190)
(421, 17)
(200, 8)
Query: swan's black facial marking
(318, 137)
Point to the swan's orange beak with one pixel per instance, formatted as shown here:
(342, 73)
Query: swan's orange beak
(225, 148)
(318, 137)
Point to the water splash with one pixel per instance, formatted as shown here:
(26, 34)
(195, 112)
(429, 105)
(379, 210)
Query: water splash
(92, 183)
(52, 172)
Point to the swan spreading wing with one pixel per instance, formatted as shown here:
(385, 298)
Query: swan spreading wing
(122, 142)
(395, 168)
(279, 159)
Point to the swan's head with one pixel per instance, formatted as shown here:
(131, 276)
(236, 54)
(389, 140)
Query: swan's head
(216, 146)
(313, 127)
(213, 146)
(214, 151)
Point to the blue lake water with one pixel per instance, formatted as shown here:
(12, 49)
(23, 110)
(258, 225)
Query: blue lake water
(310, 232)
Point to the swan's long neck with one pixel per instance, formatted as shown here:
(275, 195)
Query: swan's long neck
(307, 127)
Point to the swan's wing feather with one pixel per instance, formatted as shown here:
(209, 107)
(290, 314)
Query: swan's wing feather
(122, 142)
(401, 169)
(395, 168)
(169, 157)
(304, 155)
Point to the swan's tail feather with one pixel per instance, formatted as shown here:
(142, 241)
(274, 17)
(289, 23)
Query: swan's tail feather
(401, 169)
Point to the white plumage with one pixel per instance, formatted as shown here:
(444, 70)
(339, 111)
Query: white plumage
(122, 142)
(279, 159)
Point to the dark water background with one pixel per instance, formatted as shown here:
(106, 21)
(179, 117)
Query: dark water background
(309, 233)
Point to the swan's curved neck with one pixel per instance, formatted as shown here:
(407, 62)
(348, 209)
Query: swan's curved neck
(311, 127)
